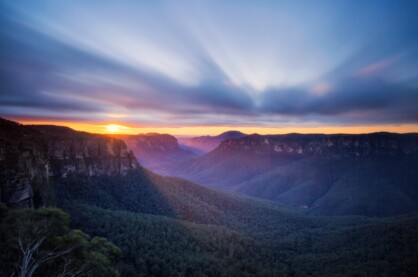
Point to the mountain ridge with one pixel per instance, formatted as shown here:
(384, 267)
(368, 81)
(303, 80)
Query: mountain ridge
(154, 149)
(277, 167)
(204, 144)
(33, 154)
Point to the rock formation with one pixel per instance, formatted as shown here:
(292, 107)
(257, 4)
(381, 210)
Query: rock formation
(32, 156)
(23, 165)
(326, 174)
(332, 146)
(84, 153)
(153, 150)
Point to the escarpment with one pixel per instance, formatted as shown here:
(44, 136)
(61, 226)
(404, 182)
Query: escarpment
(84, 153)
(32, 156)
(154, 149)
(323, 174)
(332, 146)
(23, 165)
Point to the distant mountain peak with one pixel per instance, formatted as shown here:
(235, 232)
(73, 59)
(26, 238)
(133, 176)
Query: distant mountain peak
(231, 134)
(208, 143)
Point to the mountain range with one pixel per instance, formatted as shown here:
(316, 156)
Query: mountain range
(169, 226)
(327, 174)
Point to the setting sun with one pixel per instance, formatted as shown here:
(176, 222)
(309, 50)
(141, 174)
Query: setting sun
(114, 128)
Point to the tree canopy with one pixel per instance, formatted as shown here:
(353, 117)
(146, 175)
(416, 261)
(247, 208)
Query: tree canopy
(40, 243)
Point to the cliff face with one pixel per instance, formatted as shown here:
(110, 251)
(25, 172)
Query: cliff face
(153, 149)
(151, 142)
(324, 174)
(83, 153)
(238, 160)
(333, 146)
(23, 166)
(31, 155)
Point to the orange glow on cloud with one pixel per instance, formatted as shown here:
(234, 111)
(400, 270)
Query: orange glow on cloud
(121, 128)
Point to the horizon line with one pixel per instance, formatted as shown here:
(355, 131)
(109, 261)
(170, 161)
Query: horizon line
(121, 128)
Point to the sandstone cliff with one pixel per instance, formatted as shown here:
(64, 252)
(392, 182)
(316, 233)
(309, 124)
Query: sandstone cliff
(84, 153)
(372, 174)
(32, 156)
(333, 146)
(153, 150)
(23, 165)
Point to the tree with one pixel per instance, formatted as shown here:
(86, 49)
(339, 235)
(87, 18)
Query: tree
(40, 241)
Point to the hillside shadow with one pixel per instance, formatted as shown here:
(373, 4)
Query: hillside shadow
(190, 223)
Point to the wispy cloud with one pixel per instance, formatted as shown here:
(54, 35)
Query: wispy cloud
(236, 63)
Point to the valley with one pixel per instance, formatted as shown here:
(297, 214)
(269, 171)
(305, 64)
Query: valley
(168, 226)
(324, 174)
(209, 138)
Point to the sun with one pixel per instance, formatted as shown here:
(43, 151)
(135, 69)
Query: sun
(113, 128)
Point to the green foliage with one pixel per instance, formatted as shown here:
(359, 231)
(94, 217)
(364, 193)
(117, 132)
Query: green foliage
(171, 227)
(40, 243)
(163, 246)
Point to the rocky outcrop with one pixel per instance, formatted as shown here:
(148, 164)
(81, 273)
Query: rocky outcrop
(32, 156)
(23, 166)
(371, 174)
(333, 146)
(238, 160)
(72, 152)
(154, 149)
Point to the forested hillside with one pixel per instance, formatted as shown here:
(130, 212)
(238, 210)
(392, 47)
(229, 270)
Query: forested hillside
(171, 227)
(324, 174)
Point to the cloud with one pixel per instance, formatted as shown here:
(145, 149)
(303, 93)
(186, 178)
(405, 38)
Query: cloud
(374, 68)
(38, 71)
(363, 100)
(321, 88)
(205, 69)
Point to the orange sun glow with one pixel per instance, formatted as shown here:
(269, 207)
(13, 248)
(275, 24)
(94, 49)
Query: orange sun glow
(114, 128)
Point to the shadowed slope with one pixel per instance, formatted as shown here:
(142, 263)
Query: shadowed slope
(329, 174)
(347, 186)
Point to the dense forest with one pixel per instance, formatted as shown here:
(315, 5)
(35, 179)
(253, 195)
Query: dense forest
(172, 227)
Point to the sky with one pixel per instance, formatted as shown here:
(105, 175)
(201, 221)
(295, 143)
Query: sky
(203, 67)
